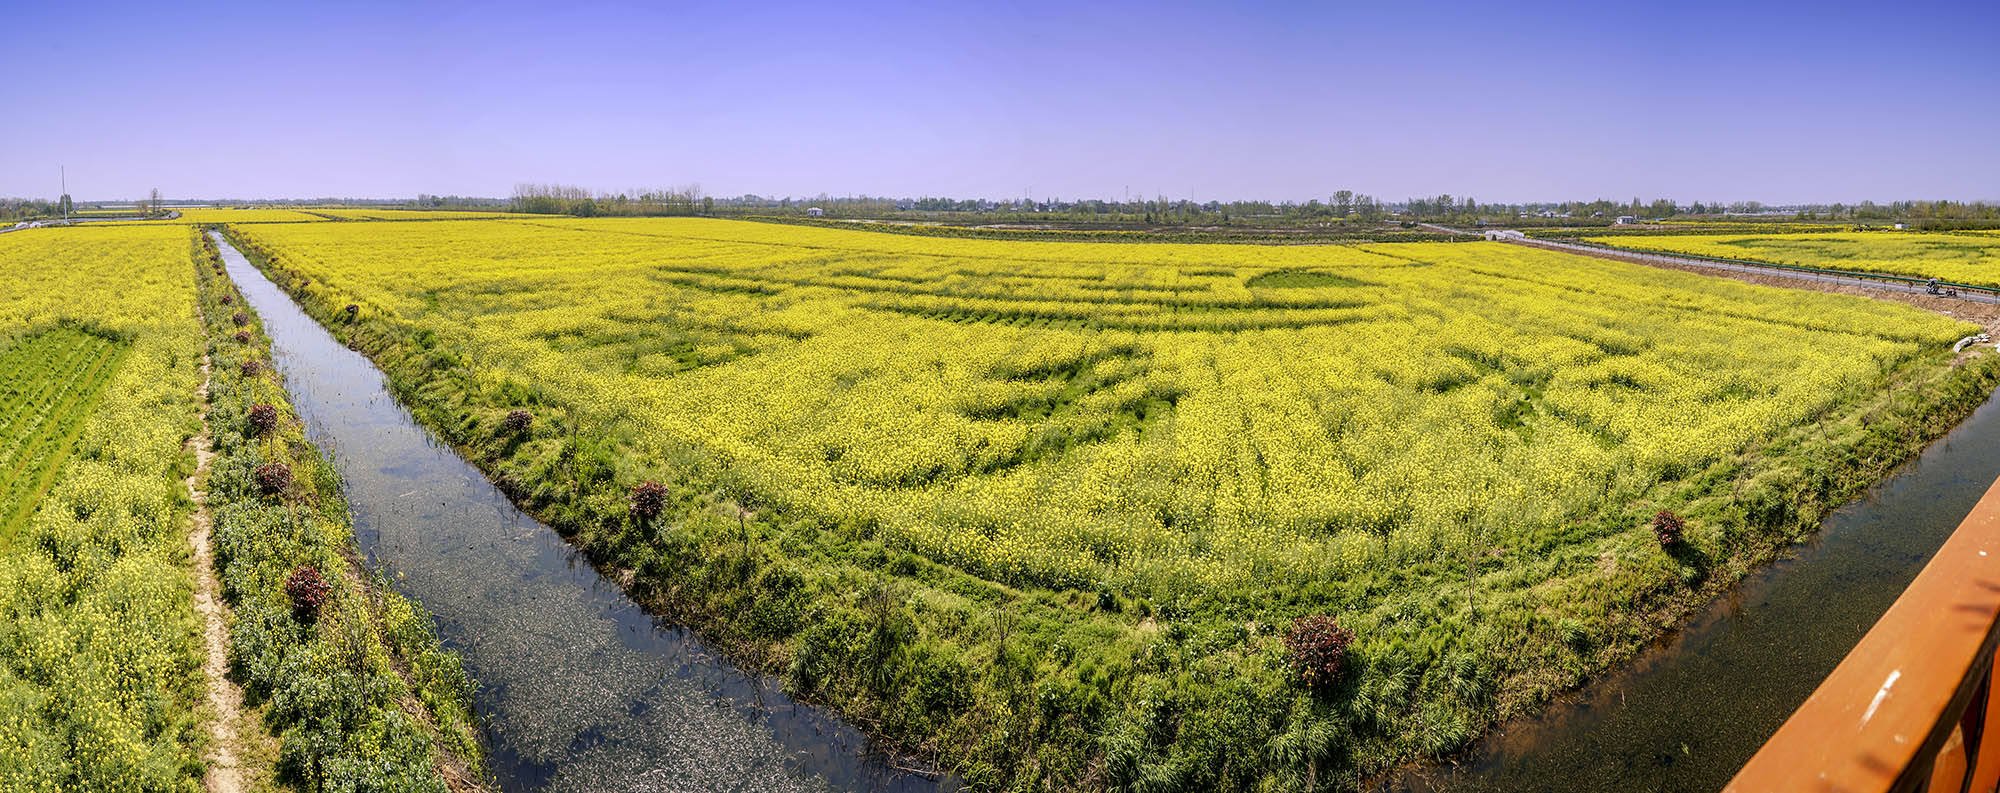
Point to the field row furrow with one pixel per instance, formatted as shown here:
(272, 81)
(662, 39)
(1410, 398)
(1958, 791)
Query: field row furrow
(40, 456)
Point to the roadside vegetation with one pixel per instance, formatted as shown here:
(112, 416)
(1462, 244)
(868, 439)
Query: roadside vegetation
(1132, 517)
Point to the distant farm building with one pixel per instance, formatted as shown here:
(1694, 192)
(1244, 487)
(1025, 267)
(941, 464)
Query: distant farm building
(813, 212)
(1627, 219)
(1902, 226)
(1504, 234)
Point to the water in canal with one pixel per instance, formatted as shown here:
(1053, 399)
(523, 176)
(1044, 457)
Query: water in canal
(580, 690)
(1691, 710)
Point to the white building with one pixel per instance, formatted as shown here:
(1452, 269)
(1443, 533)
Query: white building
(1627, 220)
(1504, 234)
(813, 212)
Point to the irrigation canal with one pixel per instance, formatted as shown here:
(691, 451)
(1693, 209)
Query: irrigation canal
(1693, 708)
(580, 689)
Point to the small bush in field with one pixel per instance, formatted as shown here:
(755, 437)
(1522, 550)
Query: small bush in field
(648, 499)
(1316, 647)
(240, 318)
(226, 300)
(251, 368)
(308, 590)
(263, 419)
(352, 310)
(273, 478)
(243, 337)
(1668, 527)
(518, 420)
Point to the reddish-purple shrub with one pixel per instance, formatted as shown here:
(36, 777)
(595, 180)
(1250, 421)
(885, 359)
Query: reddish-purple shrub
(352, 310)
(1316, 647)
(240, 318)
(518, 420)
(273, 478)
(243, 336)
(308, 590)
(226, 300)
(263, 419)
(251, 367)
(648, 499)
(1668, 526)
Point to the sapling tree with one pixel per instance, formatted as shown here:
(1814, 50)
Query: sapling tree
(1668, 527)
(273, 478)
(518, 420)
(648, 499)
(308, 590)
(1316, 647)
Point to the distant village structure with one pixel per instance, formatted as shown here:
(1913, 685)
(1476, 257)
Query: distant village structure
(813, 212)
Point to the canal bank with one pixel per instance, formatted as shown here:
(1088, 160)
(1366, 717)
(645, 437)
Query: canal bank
(1691, 709)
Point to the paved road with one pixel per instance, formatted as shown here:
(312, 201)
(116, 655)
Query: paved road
(1442, 229)
(1887, 286)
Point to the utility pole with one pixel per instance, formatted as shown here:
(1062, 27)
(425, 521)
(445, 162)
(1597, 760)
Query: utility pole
(62, 173)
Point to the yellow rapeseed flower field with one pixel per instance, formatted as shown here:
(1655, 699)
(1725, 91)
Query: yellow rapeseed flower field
(99, 675)
(1186, 416)
(1969, 258)
(367, 213)
(194, 215)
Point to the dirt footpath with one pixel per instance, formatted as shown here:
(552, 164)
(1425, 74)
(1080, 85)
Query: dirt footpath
(225, 772)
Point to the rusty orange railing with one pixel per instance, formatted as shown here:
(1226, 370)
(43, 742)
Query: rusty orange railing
(1912, 707)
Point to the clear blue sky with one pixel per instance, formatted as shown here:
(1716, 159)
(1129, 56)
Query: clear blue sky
(1778, 101)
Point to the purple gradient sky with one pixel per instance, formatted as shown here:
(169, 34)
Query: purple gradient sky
(1779, 102)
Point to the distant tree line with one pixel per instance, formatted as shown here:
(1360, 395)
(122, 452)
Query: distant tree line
(556, 199)
(29, 208)
(1341, 206)
(64, 206)
(428, 201)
